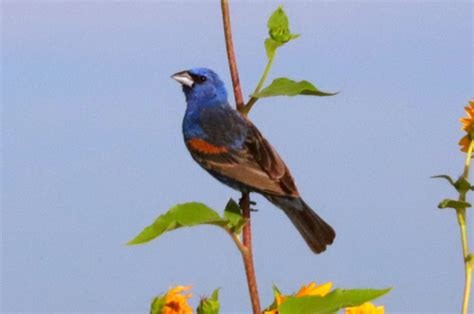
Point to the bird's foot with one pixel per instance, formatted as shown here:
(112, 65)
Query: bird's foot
(245, 199)
(243, 202)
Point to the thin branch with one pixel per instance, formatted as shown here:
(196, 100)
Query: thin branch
(239, 101)
(243, 250)
(247, 255)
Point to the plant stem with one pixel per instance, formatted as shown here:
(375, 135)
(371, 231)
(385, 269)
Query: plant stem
(467, 164)
(265, 73)
(239, 101)
(247, 255)
(253, 100)
(461, 214)
(243, 250)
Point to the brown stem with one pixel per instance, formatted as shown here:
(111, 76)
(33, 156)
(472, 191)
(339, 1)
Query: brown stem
(247, 254)
(239, 101)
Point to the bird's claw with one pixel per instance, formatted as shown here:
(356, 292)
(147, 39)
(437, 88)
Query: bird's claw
(250, 203)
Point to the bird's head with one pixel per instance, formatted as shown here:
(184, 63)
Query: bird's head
(203, 86)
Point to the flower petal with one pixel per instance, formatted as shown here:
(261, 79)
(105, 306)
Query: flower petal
(366, 308)
(313, 290)
(465, 142)
(176, 303)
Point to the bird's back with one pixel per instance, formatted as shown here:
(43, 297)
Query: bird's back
(218, 125)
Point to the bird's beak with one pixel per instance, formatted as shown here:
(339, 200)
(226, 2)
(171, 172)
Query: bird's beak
(183, 78)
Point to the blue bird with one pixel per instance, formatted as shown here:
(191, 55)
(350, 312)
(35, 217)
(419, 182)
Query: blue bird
(232, 150)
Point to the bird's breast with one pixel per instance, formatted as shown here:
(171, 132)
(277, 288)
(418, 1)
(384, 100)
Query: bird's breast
(192, 127)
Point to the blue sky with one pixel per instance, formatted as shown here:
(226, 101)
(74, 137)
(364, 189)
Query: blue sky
(92, 150)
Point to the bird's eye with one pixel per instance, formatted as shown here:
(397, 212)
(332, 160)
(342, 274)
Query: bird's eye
(202, 78)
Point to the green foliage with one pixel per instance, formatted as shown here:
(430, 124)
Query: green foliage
(157, 304)
(444, 176)
(233, 214)
(192, 214)
(461, 185)
(278, 27)
(448, 203)
(181, 215)
(271, 47)
(279, 31)
(330, 303)
(285, 87)
(209, 305)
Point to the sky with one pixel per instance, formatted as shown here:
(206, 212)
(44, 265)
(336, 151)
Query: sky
(92, 150)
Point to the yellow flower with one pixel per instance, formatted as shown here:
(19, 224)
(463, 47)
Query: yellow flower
(366, 308)
(310, 290)
(313, 290)
(467, 125)
(176, 303)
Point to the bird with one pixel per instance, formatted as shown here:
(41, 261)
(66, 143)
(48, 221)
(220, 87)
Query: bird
(231, 149)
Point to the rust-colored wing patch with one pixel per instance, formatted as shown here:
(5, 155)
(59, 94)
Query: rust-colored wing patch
(202, 146)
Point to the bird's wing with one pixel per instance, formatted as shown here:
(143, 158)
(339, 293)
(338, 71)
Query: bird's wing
(256, 164)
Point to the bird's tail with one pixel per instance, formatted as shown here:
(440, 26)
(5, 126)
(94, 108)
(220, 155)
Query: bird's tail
(315, 231)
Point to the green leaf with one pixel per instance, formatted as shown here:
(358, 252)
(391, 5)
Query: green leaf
(330, 303)
(209, 305)
(461, 185)
(271, 46)
(157, 304)
(447, 203)
(181, 215)
(278, 27)
(444, 176)
(215, 294)
(285, 87)
(233, 214)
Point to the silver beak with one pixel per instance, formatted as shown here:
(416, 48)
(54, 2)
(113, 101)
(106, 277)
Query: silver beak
(183, 78)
